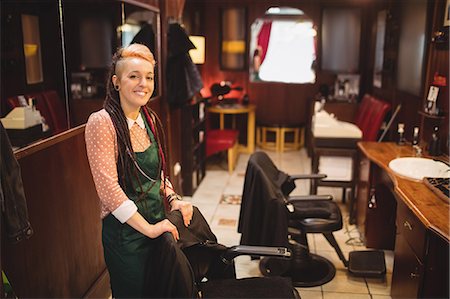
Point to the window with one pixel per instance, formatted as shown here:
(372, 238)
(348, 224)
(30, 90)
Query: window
(282, 47)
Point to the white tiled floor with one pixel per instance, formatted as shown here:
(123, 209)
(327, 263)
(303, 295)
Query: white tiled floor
(223, 219)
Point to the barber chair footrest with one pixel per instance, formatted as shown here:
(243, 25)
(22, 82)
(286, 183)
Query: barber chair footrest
(367, 263)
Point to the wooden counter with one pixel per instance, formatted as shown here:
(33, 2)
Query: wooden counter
(64, 256)
(427, 206)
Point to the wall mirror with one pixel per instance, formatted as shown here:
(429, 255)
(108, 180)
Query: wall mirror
(140, 24)
(282, 47)
(341, 35)
(233, 36)
(379, 49)
(32, 48)
(411, 50)
(67, 65)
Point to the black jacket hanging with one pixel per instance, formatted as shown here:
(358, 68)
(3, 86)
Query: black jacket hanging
(263, 218)
(183, 78)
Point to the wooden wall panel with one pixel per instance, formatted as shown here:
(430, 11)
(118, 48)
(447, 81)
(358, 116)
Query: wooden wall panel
(64, 257)
(276, 102)
(288, 103)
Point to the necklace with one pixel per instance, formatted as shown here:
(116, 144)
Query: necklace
(137, 139)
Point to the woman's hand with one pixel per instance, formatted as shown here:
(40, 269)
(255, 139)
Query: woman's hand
(165, 226)
(152, 230)
(185, 208)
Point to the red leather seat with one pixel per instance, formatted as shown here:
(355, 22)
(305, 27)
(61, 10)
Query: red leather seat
(42, 106)
(370, 116)
(220, 140)
(57, 111)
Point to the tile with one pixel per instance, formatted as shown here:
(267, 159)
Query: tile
(227, 222)
(335, 295)
(323, 244)
(332, 256)
(308, 294)
(310, 289)
(380, 286)
(245, 267)
(230, 199)
(223, 220)
(344, 283)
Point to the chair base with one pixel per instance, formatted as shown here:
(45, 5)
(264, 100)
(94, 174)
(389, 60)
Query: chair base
(310, 271)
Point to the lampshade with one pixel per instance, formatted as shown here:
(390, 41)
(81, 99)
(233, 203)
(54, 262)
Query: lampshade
(197, 55)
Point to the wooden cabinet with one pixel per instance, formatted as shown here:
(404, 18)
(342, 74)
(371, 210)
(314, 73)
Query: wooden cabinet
(409, 254)
(376, 206)
(193, 144)
(421, 261)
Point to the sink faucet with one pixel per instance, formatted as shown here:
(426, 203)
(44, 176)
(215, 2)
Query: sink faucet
(418, 150)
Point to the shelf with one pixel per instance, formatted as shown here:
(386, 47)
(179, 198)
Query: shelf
(193, 146)
(437, 117)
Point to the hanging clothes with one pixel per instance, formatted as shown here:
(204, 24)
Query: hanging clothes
(183, 77)
(12, 195)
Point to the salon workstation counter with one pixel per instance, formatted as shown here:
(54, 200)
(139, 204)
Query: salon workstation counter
(432, 211)
(397, 213)
(64, 256)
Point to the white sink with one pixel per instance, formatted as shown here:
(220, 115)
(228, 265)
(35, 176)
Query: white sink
(418, 168)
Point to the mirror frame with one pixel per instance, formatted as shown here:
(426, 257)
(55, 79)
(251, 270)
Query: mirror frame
(158, 70)
(237, 36)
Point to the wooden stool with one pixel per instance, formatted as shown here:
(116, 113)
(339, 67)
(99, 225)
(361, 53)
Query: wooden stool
(297, 141)
(280, 144)
(261, 137)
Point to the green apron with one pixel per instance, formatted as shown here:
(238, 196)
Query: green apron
(126, 250)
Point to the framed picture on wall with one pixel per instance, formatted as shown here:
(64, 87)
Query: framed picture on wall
(447, 14)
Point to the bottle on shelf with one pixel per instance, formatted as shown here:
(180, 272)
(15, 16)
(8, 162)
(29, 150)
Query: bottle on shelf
(415, 140)
(401, 134)
(434, 146)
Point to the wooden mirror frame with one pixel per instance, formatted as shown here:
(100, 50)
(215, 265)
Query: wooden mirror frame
(233, 39)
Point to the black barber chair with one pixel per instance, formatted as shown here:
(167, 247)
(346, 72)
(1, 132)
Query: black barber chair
(198, 267)
(270, 217)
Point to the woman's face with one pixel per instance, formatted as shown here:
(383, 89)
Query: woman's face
(135, 78)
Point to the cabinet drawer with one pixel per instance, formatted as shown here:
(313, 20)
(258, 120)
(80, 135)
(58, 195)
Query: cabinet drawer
(411, 228)
(407, 276)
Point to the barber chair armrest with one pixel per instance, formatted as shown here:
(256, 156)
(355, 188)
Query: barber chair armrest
(296, 198)
(315, 176)
(238, 250)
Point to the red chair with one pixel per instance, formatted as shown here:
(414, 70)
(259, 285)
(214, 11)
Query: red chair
(57, 111)
(41, 105)
(370, 116)
(221, 140)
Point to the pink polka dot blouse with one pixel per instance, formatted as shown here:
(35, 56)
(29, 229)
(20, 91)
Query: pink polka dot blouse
(102, 151)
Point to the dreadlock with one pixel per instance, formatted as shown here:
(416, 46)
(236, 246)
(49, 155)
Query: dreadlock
(126, 157)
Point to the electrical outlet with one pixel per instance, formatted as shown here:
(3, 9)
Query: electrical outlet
(176, 168)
